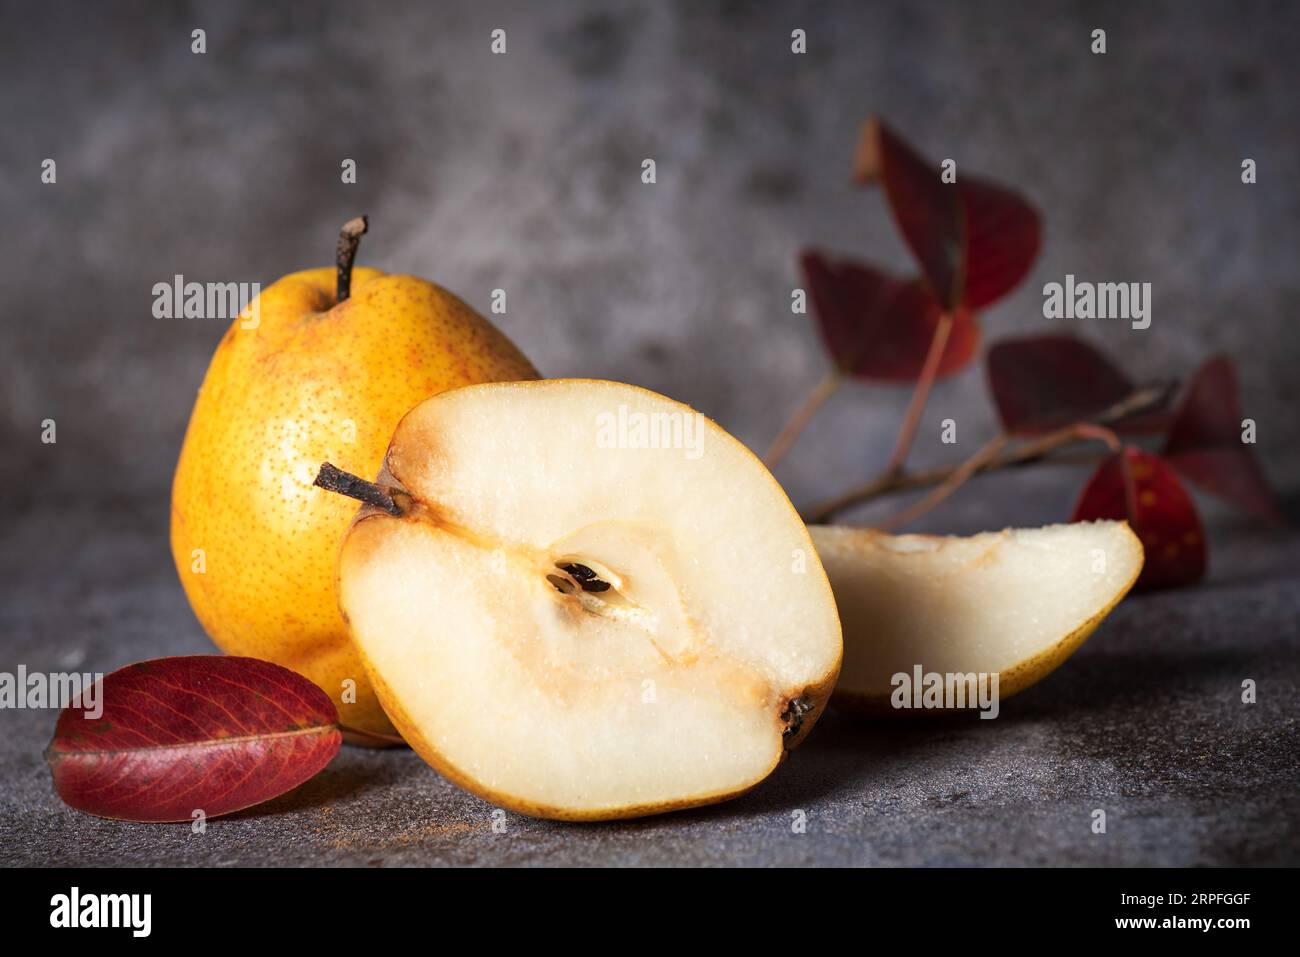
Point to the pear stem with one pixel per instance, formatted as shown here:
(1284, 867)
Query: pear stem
(349, 239)
(353, 486)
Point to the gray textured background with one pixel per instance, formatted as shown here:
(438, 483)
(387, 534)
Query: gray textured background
(522, 172)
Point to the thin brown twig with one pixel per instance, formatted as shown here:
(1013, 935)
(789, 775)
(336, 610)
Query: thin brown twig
(920, 395)
(1027, 452)
(956, 480)
(802, 416)
(1093, 430)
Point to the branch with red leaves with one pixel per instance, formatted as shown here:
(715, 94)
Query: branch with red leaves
(974, 241)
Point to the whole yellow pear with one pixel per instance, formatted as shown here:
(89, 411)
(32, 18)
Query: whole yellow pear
(306, 375)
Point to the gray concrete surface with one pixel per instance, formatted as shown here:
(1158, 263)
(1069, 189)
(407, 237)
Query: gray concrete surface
(522, 172)
(1144, 722)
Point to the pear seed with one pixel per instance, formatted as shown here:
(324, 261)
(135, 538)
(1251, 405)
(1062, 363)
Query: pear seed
(585, 577)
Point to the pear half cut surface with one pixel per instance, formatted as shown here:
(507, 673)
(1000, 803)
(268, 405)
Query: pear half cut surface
(1015, 603)
(588, 601)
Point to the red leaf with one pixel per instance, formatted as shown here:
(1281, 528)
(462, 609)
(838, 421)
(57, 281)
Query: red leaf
(1042, 383)
(1204, 442)
(1003, 237)
(878, 326)
(927, 210)
(1138, 487)
(975, 241)
(205, 732)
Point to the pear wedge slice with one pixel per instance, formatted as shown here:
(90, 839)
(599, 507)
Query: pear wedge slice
(1015, 603)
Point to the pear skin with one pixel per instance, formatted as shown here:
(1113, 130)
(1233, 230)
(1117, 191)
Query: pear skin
(255, 544)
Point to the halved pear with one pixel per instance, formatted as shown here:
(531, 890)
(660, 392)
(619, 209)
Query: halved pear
(1015, 603)
(587, 601)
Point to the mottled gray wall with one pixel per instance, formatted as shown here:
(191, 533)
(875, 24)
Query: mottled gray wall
(522, 171)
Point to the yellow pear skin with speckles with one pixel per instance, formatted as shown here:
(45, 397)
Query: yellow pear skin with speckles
(300, 379)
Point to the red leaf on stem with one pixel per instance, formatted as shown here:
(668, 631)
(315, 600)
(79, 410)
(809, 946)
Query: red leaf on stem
(1205, 442)
(177, 735)
(1137, 486)
(975, 240)
(1042, 383)
(927, 210)
(877, 326)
